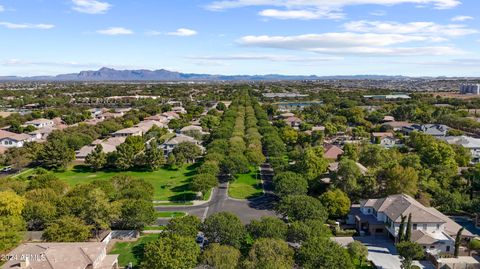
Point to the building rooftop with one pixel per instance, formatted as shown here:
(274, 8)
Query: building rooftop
(63, 256)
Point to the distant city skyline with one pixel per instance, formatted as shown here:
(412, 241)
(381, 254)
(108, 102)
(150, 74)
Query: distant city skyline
(236, 37)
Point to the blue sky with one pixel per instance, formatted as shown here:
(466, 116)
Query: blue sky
(322, 37)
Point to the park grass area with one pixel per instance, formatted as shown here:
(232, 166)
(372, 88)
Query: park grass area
(169, 214)
(154, 228)
(246, 186)
(132, 251)
(169, 184)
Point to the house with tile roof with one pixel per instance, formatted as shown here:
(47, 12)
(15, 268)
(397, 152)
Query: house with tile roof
(332, 152)
(430, 129)
(108, 145)
(87, 255)
(434, 231)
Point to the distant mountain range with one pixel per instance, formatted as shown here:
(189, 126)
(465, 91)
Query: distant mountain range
(109, 74)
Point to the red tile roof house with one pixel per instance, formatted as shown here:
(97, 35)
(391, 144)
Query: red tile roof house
(332, 152)
(434, 231)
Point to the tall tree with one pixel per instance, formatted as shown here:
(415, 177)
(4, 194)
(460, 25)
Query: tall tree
(458, 240)
(171, 251)
(221, 257)
(186, 226)
(409, 251)
(268, 227)
(97, 159)
(323, 253)
(67, 229)
(401, 230)
(336, 202)
(224, 228)
(302, 207)
(56, 155)
(358, 251)
(154, 157)
(269, 253)
(408, 232)
(313, 164)
(290, 183)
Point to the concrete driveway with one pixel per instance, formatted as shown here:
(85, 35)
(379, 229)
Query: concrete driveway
(382, 252)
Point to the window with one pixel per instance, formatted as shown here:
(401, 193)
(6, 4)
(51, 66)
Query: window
(425, 226)
(448, 248)
(432, 246)
(438, 226)
(414, 226)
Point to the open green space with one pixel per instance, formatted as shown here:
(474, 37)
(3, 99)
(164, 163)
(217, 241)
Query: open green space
(169, 184)
(132, 251)
(246, 186)
(154, 228)
(169, 214)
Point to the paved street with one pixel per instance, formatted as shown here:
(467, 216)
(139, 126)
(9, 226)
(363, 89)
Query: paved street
(382, 252)
(246, 210)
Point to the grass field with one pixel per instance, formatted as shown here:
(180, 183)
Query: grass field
(246, 186)
(132, 251)
(173, 214)
(169, 184)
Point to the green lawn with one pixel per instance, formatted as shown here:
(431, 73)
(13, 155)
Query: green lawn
(169, 184)
(169, 214)
(246, 186)
(132, 251)
(154, 228)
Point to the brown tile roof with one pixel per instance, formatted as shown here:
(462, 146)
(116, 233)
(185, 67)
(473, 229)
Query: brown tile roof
(13, 136)
(332, 152)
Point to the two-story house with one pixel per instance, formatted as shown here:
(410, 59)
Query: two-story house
(434, 231)
(470, 143)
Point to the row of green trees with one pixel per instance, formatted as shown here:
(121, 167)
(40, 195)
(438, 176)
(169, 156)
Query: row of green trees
(260, 244)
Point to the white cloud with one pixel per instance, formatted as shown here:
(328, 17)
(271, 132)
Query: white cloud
(115, 31)
(299, 14)
(2, 9)
(183, 32)
(418, 28)
(91, 6)
(360, 44)
(462, 18)
(264, 57)
(317, 9)
(40, 26)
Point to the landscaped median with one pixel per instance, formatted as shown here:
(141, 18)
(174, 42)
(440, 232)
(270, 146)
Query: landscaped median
(246, 186)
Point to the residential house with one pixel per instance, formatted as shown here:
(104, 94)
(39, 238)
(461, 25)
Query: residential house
(385, 139)
(293, 122)
(108, 145)
(434, 231)
(388, 119)
(332, 152)
(108, 115)
(397, 125)
(146, 125)
(42, 133)
(430, 129)
(87, 255)
(13, 140)
(169, 145)
(179, 110)
(287, 115)
(470, 143)
(170, 115)
(158, 118)
(191, 128)
(135, 131)
(40, 123)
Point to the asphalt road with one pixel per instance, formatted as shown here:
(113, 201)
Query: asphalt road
(246, 210)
